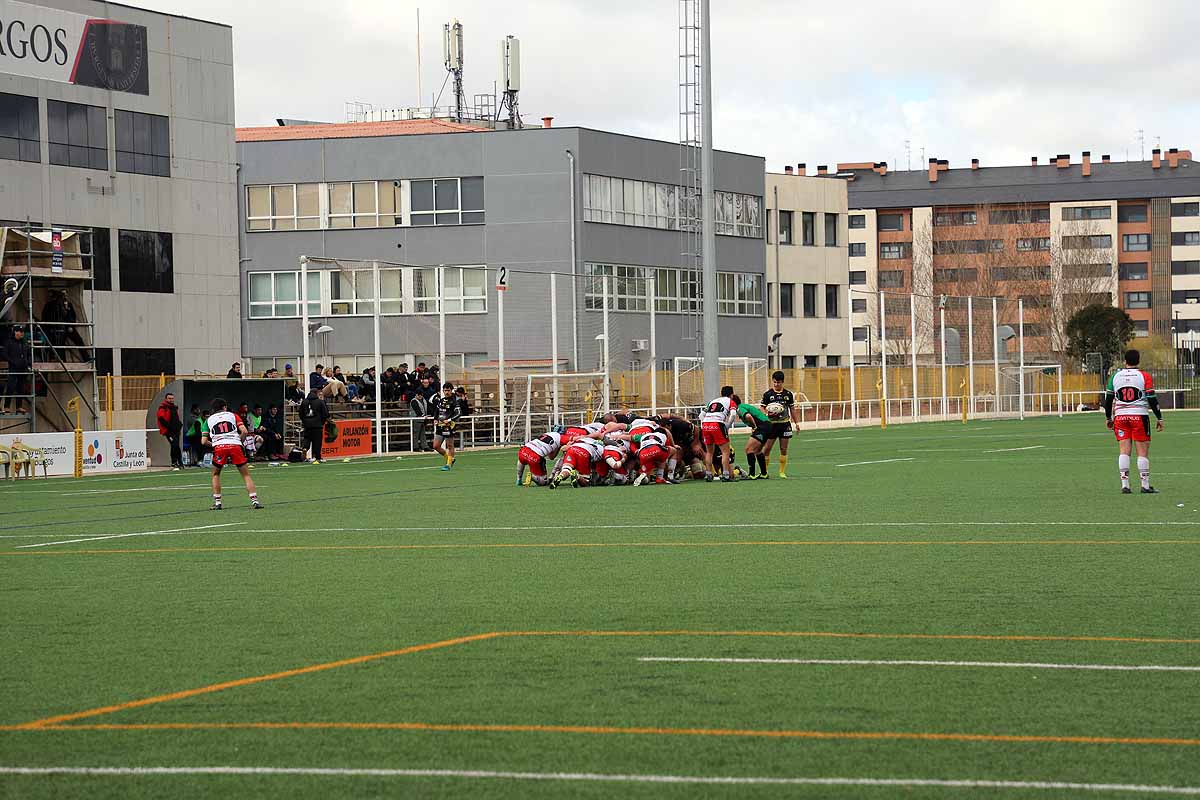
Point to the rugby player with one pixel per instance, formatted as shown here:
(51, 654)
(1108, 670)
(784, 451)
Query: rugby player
(781, 427)
(225, 432)
(446, 411)
(683, 433)
(1128, 401)
(715, 421)
(534, 454)
(761, 427)
(656, 454)
(583, 457)
(618, 456)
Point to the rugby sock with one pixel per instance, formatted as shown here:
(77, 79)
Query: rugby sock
(520, 472)
(752, 460)
(762, 463)
(1123, 466)
(1144, 471)
(672, 464)
(253, 497)
(782, 465)
(216, 499)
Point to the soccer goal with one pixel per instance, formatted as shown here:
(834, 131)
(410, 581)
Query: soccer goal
(1029, 389)
(565, 398)
(743, 373)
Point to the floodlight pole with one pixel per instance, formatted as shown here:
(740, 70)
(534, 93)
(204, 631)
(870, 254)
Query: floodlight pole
(553, 340)
(500, 292)
(607, 391)
(653, 300)
(945, 399)
(304, 322)
(883, 400)
(441, 280)
(1021, 336)
(971, 352)
(375, 282)
(708, 248)
(853, 399)
(912, 323)
(995, 357)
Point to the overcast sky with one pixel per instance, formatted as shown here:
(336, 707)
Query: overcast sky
(794, 81)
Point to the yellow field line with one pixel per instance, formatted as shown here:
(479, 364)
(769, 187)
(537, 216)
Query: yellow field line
(636, 731)
(58, 720)
(603, 545)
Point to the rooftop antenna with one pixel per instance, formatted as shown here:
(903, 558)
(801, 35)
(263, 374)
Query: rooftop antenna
(908, 154)
(510, 79)
(452, 49)
(1140, 138)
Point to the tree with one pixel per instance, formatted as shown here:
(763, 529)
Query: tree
(1098, 329)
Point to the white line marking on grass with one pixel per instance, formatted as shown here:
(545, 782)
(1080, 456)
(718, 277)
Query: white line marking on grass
(400, 469)
(185, 487)
(884, 461)
(127, 535)
(1015, 449)
(596, 777)
(918, 663)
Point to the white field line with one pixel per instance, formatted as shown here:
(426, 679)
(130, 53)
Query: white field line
(185, 487)
(883, 461)
(1015, 449)
(399, 469)
(918, 663)
(127, 535)
(595, 777)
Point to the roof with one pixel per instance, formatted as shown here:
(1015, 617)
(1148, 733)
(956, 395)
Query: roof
(354, 130)
(1122, 180)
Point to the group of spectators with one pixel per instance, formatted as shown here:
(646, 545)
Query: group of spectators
(265, 429)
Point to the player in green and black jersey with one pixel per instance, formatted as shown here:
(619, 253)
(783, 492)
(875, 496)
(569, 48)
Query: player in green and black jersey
(760, 425)
(781, 424)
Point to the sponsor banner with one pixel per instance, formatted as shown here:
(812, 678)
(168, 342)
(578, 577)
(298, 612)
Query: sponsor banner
(103, 451)
(352, 437)
(55, 45)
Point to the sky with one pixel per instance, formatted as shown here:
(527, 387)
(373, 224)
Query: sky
(793, 81)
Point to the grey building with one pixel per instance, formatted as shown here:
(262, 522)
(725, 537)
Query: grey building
(136, 143)
(425, 193)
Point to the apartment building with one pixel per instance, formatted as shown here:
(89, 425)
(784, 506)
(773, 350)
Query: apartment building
(807, 270)
(1057, 235)
(450, 202)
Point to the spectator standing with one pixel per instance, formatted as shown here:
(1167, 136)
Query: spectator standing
(171, 426)
(16, 353)
(235, 371)
(313, 416)
(418, 408)
(192, 438)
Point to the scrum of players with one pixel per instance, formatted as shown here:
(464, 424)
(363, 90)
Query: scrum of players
(628, 448)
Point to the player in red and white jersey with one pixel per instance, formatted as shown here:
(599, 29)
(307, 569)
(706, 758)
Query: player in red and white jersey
(641, 425)
(534, 454)
(715, 421)
(225, 433)
(582, 457)
(574, 432)
(616, 456)
(655, 450)
(1128, 402)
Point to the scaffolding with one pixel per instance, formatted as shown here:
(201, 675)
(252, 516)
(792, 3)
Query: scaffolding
(49, 294)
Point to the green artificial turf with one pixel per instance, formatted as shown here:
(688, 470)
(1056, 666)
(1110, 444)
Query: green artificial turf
(970, 537)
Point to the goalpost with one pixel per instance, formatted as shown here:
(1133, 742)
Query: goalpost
(1019, 375)
(689, 377)
(574, 393)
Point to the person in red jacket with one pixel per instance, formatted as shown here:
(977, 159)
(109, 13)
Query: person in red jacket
(171, 426)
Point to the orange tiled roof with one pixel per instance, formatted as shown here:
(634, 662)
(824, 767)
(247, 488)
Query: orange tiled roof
(350, 130)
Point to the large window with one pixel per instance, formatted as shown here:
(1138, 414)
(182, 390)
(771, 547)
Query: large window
(858, 249)
(858, 305)
(101, 260)
(890, 222)
(352, 292)
(277, 294)
(78, 135)
(365, 204)
(1185, 267)
(947, 218)
(147, 361)
(787, 300)
(858, 277)
(145, 262)
(810, 300)
(891, 251)
(1078, 213)
(832, 305)
(785, 227)
(1134, 272)
(739, 215)
(1137, 299)
(284, 207)
(955, 275)
(446, 201)
(1138, 242)
(646, 204)
(1020, 273)
(1183, 238)
(831, 230)
(891, 279)
(1185, 209)
(20, 128)
(1184, 295)
(1028, 245)
(857, 221)
(808, 228)
(1019, 216)
(740, 294)
(1087, 242)
(356, 205)
(1131, 213)
(143, 143)
(945, 247)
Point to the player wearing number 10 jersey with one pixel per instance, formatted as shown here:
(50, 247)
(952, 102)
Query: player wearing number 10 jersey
(1128, 403)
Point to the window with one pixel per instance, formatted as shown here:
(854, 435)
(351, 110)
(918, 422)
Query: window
(955, 275)
(101, 260)
(447, 201)
(831, 230)
(858, 277)
(1021, 273)
(946, 247)
(789, 362)
(1040, 243)
(810, 300)
(465, 291)
(738, 214)
(808, 229)
(355, 205)
(1141, 327)
(1182, 238)
(833, 361)
(78, 135)
(1185, 209)
(1102, 270)
(1036, 300)
(787, 300)
(891, 251)
(1185, 267)
(104, 360)
(1137, 299)
(1138, 242)
(145, 262)
(945, 218)
(831, 301)
(860, 334)
(1086, 242)
(810, 362)
(857, 221)
(283, 207)
(276, 294)
(1134, 272)
(739, 293)
(20, 128)
(891, 222)
(858, 249)
(626, 287)
(675, 290)
(143, 143)
(1185, 295)
(147, 361)
(1077, 213)
(785, 227)
(1019, 216)
(1181, 326)
(891, 279)
(858, 305)
(1131, 213)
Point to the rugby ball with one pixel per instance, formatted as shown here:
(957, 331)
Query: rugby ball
(776, 410)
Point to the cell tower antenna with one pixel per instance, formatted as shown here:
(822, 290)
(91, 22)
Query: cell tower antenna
(452, 49)
(510, 80)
